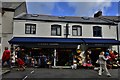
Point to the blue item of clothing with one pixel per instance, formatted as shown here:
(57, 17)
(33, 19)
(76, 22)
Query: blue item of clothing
(106, 54)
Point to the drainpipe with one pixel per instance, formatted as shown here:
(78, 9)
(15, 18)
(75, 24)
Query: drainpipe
(11, 48)
(117, 29)
(67, 30)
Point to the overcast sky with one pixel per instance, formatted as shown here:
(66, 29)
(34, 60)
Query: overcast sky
(76, 8)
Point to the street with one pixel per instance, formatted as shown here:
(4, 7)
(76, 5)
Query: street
(44, 73)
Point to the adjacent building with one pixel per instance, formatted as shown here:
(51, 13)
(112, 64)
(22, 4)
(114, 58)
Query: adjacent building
(8, 11)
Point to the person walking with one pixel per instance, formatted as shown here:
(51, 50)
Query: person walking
(21, 64)
(6, 57)
(102, 61)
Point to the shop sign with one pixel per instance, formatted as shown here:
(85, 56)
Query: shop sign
(46, 44)
(99, 44)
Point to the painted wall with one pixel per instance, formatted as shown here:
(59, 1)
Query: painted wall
(7, 30)
(0, 24)
(21, 9)
(7, 22)
(43, 29)
(0, 32)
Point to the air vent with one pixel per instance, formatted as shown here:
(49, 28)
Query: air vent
(61, 17)
(85, 18)
(34, 15)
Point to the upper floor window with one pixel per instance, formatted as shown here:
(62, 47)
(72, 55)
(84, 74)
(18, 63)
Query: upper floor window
(30, 28)
(97, 31)
(56, 30)
(76, 30)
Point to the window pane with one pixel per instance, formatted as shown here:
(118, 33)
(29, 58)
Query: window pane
(64, 30)
(74, 27)
(33, 29)
(58, 30)
(97, 31)
(74, 32)
(27, 29)
(30, 29)
(79, 31)
(53, 32)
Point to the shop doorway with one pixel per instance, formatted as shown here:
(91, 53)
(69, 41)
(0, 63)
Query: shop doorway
(95, 54)
(65, 57)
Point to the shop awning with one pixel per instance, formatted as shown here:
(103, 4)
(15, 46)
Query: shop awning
(100, 41)
(17, 40)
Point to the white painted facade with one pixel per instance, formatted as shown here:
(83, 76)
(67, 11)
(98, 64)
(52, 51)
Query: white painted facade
(43, 29)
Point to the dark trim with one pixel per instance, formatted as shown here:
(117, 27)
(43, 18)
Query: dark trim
(0, 40)
(30, 28)
(117, 32)
(94, 29)
(8, 9)
(66, 21)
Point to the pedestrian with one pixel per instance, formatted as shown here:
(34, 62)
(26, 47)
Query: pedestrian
(102, 61)
(74, 65)
(18, 52)
(21, 64)
(12, 60)
(6, 57)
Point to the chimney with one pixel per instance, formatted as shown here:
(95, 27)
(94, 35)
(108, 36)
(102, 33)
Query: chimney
(98, 14)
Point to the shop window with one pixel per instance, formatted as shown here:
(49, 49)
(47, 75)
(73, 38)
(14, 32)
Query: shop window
(76, 30)
(30, 28)
(56, 30)
(97, 31)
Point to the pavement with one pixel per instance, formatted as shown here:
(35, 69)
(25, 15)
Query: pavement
(5, 71)
(56, 74)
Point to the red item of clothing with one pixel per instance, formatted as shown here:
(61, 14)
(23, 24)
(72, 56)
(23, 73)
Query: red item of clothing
(20, 62)
(6, 55)
(112, 56)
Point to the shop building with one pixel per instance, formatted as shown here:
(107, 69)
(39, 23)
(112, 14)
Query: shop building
(59, 36)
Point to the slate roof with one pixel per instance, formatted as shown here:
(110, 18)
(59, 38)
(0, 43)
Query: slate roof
(73, 19)
(112, 18)
(11, 5)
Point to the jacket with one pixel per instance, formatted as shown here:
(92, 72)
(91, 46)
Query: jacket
(102, 59)
(6, 55)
